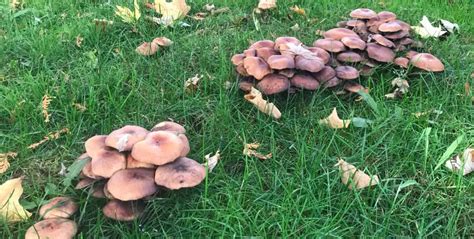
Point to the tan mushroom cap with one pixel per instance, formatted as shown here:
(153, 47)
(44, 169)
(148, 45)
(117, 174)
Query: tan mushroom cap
(405, 26)
(123, 211)
(107, 193)
(312, 65)
(159, 147)
(182, 173)
(241, 70)
(85, 182)
(58, 207)
(107, 163)
(338, 33)
(186, 147)
(97, 191)
(349, 56)
(363, 13)
(320, 53)
(355, 23)
(390, 27)
(333, 82)
(406, 41)
(95, 145)
(304, 81)
(380, 53)
(325, 74)
(355, 87)
(427, 62)
(132, 184)
(353, 43)
(169, 126)
(330, 45)
(237, 59)
(347, 72)
(273, 84)
(256, 67)
(87, 171)
(386, 16)
(411, 54)
(287, 72)
(397, 35)
(246, 84)
(262, 44)
(286, 40)
(401, 61)
(133, 163)
(381, 40)
(280, 62)
(162, 41)
(55, 228)
(266, 52)
(366, 70)
(124, 138)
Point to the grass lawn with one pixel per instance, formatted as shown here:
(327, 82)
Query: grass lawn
(298, 192)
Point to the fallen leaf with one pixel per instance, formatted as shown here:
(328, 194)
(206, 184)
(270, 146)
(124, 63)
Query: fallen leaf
(298, 10)
(147, 49)
(209, 7)
(79, 107)
(427, 30)
(351, 176)
(191, 84)
(79, 40)
(401, 88)
(10, 208)
(449, 26)
(171, 10)
(199, 16)
(333, 121)
(250, 150)
(4, 164)
(295, 27)
(50, 136)
(463, 162)
(63, 170)
(126, 14)
(255, 97)
(211, 161)
(46, 100)
(267, 4)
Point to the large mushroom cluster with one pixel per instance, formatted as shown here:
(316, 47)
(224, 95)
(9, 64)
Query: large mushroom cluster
(131, 164)
(354, 48)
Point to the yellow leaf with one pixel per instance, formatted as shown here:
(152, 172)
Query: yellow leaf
(266, 4)
(351, 176)
(137, 10)
(298, 10)
(333, 121)
(255, 97)
(4, 164)
(171, 11)
(10, 208)
(126, 14)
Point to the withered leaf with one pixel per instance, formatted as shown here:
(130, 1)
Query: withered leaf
(351, 176)
(333, 121)
(211, 161)
(255, 97)
(4, 164)
(251, 151)
(463, 162)
(10, 207)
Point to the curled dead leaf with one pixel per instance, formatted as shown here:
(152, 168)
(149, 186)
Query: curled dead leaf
(171, 10)
(298, 10)
(351, 176)
(251, 151)
(10, 207)
(401, 88)
(211, 161)
(463, 162)
(255, 97)
(79, 40)
(4, 164)
(267, 4)
(333, 121)
(191, 84)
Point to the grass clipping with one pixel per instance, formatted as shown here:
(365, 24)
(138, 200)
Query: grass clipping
(255, 97)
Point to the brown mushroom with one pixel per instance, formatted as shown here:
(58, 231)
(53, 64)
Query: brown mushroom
(280, 62)
(427, 62)
(250, 52)
(338, 33)
(182, 173)
(397, 35)
(330, 45)
(169, 126)
(355, 23)
(382, 40)
(124, 138)
(333, 82)
(286, 40)
(97, 191)
(390, 27)
(354, 87)
(287, 72)
(304, 81)
(273, 84)
(341, 24)
(158, 148)
(262, 44)
(411, 54)
(133, 163)
(107, 163)
(95, 145)
(401, 61)
(363, 13)
(246, 84)
(406, 41)
(266, 52)
(380, 53)
(256, 67)
(353, 43)
(309, 64)
(58, 207)
(132, 184)
(321, 53)
(85, 182)
(87, 171)
(237, 59)
(386, 16)
(347, 72)
(349, 56)
(107, 193)
(241, 70)
(366, 70)
(55, 228)
(186, 147)
(325, 74)
(123, 211)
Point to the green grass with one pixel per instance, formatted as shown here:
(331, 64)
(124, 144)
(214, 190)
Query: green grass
(297, 193)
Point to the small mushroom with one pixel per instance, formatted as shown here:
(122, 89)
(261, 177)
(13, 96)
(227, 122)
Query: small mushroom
(380, 53)
(87, 171)
(237, 59)
(427, 62)
(123, 211)
(186, 147)
(311, 65)
(280, 62)
(338, 33)
(107, 163)
(411, 54)
(241, 70)
(383, 41)
(321, 53)
(401, 61)
(97, 191)
(354, 87)
(355, 23)
(124, 138)
(349, 56)
(347, 72)
(390, 27)
(250, 52)
(341, 24)
(85, 182)
(246, 84)
(366, 70)
(406, 41)
(256, 67)
(286, 40)
(158, 148)
(287, 72)
(262, 44)
(353, 43)
(363, 13)
(107, 193)
(304, 81)
(273, 84)
(58, 207)
(132, 184)
(330, 45)
(182, 173)
(133, 163)
(169, 126)
(333, 82)
(266, 52)
(95, 145)
(397, 35)
(386, 16)
(55, 228)
(325, 74)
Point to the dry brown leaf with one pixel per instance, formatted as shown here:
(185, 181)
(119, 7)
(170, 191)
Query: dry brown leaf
(147, 49)
(4, 164)
(267, 4)
(171, 10)
(50, 136)
(79, 40)
(191, 84)
(298, 10)
(46, 100)
(211, 161)
(250, 150)
(464, 162)
(10, 208)
(333, 121)
(255, 97)
(401, 88)
(351, 176)
(79, 107)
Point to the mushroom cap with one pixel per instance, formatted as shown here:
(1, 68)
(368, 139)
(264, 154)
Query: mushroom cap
(58, 207)
(107, 163)
(325, 74)
(405, 26)
(380, 53)
(256, 67)
(273, 84)
(162, 41)
(186, 147)
(355, 23)
(347, 72)
(182, 173)
(321, 53)
(349, 56)
(133, 163)
(333, 82)
(123, 211)
(406, 41)
(158, 148)
(341, 24)
(363, 13)
(95, 145)
(411, 54)
(55, 228)
(386, 16)
(353, 43)
(286, 40)
(280, 62)
(132, 184)
(262, 44)
(311, 65)
(237, 59)
(304, 81)
(241, 70)
(366, 70)
(250, 52)
(427, 62)
(87, 171)
(390, 27)
(85, 182)
(382, 40)
(401, 61)
(97, 191)
(287, 72)
(107, 193)
(266, 52)
(169, 126)
(354, 87)
(246, 84)
(330, 45)
(338, 33)
(124, 138)
(397, 35)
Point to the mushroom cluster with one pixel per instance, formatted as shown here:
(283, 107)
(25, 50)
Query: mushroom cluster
(132, 164)
(354, 48)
